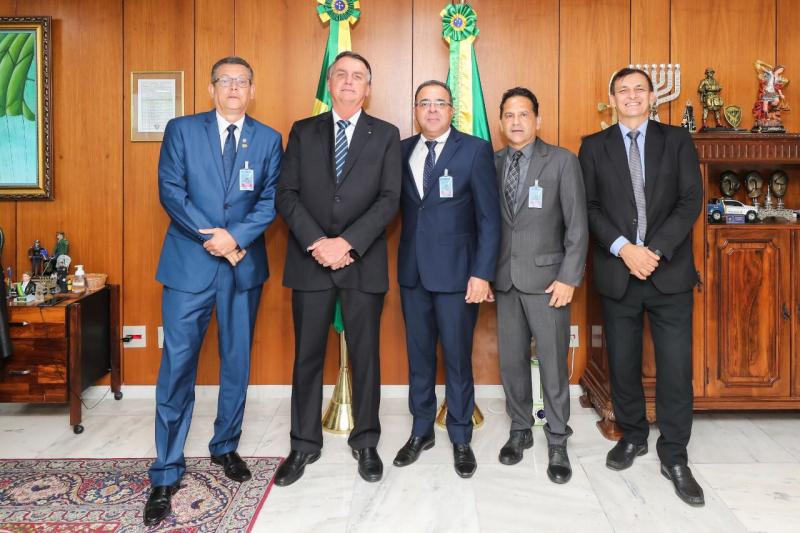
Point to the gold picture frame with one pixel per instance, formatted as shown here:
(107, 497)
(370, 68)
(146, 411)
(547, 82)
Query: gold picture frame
(156, 97)
(26, 145)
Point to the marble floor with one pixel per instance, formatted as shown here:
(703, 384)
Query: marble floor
(748, 465)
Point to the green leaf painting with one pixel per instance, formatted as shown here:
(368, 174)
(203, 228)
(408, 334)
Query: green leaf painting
(17, 71)
(18, 109)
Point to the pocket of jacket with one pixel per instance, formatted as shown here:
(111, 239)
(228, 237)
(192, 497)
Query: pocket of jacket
(548, 259)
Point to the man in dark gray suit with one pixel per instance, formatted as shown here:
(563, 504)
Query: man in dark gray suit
(542, 255)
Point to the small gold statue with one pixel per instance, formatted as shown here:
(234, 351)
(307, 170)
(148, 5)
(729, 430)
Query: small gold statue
(710, 99)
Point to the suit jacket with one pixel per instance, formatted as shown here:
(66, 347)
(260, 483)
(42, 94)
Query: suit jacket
(445, 241)
(674, 196)
(539, 246)
(358, 209)
(195, 194)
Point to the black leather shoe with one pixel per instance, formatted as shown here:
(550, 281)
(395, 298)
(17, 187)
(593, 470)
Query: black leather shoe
(686, 487)
(158, 505)
(558, 470)
(518, 440)
(623, 453)
(464, 460)
(370, 466)
(412, 449)
(234, 466)
(293, 467)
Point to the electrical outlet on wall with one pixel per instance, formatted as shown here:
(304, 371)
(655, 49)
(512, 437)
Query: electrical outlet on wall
(573, 336)
(136, 336)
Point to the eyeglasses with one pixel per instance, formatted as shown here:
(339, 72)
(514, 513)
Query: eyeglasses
(226, 82)
(435, 104)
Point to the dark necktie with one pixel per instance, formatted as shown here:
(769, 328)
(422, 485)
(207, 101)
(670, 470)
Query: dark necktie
(512, 182)
(430, 161)
(229, 153)
(637, 180)
(341, 147)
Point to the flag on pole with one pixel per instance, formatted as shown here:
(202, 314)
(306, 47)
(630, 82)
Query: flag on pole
(341, 14)
(459, 29)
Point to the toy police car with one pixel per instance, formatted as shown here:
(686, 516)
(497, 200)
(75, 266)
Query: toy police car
(720, 208)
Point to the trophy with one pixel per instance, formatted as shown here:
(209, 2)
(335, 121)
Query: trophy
(729, 184)
(770, 100)
(688, 118)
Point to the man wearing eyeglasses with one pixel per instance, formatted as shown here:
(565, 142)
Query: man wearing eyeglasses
(217, 175)
(339, 189)
(447, 257)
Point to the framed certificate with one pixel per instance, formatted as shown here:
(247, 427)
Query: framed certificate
(156, 98)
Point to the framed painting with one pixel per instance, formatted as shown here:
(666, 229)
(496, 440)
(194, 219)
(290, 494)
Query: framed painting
(26, 168)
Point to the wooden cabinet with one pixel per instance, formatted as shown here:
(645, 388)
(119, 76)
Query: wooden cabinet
(60, 350)
(746, 322)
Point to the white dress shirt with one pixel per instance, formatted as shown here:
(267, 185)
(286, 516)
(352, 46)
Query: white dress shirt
(222, 126)
(420, 153)
(348, 131)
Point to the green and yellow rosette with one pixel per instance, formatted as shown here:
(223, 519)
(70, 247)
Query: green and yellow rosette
(341, 14)
(459, 29)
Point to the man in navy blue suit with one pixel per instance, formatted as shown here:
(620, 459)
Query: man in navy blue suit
(217, 175)
(447, 257)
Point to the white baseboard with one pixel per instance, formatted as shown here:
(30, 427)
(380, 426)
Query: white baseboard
(285, 391)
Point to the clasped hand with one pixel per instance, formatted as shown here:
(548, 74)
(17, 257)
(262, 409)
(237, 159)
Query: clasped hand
(639, 259)
(332, 252)
(222, 244)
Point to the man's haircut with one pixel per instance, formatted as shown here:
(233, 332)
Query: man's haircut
(624, 73)
(432, 83)
(352, 55)
(523, 92)
(230, 60)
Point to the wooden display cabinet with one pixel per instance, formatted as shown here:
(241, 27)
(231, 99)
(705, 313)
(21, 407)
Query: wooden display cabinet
(746, 322)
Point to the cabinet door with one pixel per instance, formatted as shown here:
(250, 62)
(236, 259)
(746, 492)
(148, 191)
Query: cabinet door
(749, 312)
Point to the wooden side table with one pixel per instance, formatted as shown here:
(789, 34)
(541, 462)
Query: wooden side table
(60, 350)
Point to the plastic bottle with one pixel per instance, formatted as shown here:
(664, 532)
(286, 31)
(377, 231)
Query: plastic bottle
(79, 281)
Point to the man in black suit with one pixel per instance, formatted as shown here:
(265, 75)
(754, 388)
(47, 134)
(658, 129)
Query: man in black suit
(644, 193)
(446, 260)
(339, 188)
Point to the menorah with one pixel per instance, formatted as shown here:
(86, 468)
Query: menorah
(666, 83)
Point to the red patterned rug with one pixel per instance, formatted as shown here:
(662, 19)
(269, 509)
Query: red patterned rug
(101, 495)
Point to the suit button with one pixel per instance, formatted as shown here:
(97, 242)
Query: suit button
(227, 206)
(337, 198)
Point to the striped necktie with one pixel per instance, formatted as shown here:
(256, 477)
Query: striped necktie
(637, 180)
(341, 147)
(430, 162)
(512, 182)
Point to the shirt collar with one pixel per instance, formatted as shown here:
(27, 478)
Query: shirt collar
(642, 129)
(527, 150)
(353, 120)
(441, 139)
(222, 124)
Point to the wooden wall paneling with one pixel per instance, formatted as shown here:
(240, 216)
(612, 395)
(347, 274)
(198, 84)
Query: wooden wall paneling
(594, 41)
(650, 38)
(728, 35)
(384, 35)
(8, 222)
(157, 36)
(788, 54)
(213, 40)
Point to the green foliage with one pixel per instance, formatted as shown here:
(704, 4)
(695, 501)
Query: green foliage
(16, 58)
